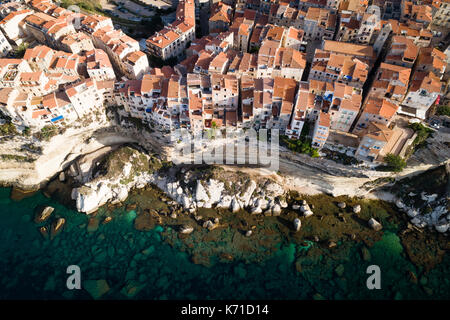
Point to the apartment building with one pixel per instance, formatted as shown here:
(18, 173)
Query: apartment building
(375, 110)
(362, 52)
(98, 65)
(441, 16)
(422, 94)
(283, 99)
(373, 140)
(345, 106)
(84, 97)
(136, 65)
(225, 91)
(294, 39)
(303, 105)
(319, 24)
(289, 63)
(391, 82)
(403, 52)
(173, 39)
(332, 67)
(348, 27)
(321, 130)
(11, 27)
(220, 18)
(5, 46)
(78, 42)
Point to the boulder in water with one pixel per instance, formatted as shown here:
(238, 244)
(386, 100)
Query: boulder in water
(96, 288)
(57, 227)
(92, 225)
(44, 232)
(107, 220)
(186, 229)
(44, 214)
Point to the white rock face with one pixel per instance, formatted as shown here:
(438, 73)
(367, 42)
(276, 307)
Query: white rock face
(235, 207)
(308, 213)
(412, 213)
(256, 210)
(443, 227)
(88, 199)
(225, 202)
(274, 189)
(248, 193)
(342, 205)
(399, 204)
(186, 229)
(283, 203)
(304, 208)
(215, 189)
(297, 224)
(122, 195)
(200, 193)
(276, 210)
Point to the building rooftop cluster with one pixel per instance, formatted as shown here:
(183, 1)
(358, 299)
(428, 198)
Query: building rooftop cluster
(343, 67)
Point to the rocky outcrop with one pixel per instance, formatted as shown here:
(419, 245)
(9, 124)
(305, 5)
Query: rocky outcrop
(424, 199)
(128, 168)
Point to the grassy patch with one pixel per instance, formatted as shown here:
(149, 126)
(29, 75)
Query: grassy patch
(302, 145)
(14, 157)
(87, 5)
(48, 132)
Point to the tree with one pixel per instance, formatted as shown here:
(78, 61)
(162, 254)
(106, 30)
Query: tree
(20, 51)
(394, 163)
(8, 129)
(443, 111)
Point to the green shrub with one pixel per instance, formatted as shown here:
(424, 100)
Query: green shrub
(394, 163)
(443, 111)
(47, 133)
(422, 134)
(8, 129)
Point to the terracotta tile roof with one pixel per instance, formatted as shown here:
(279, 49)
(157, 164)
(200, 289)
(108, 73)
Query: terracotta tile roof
(14, 14)
(55, 100)
(378, 132)
(324, 119)
(349, 49)
(380, 107)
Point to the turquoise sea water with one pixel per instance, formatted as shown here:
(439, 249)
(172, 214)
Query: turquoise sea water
(140, 265)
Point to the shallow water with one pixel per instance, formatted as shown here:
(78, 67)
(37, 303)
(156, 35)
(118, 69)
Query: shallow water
(141, 265)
